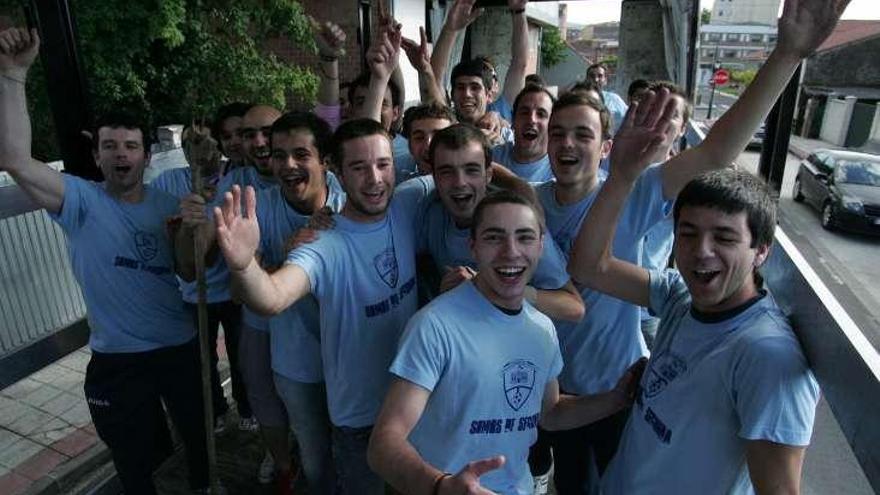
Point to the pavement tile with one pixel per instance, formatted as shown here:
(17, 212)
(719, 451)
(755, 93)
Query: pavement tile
(21, 388)
(50, 374)
(78, 415)
(30, 422)
(7, 438)
(60, 404)
(76, 442)
(13, 412)
(41, 395)
(13, 484)
(40, 464)
(18, 452)
(76, 361)
(51, 432)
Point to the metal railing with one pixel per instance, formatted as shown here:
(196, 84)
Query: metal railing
(38, 294)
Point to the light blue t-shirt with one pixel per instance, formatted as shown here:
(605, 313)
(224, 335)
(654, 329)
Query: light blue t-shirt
(364, 278)
(124, 263)
(707, 390)
(450, 246)
(405, 165)
(486, 371)
(178, 183)
(598, 349)
(503, 107)
(536, 171)
(295, 333)
(616, 107)
(657, 250)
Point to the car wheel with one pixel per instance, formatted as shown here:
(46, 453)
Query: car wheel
(828, 216)
(796, 193)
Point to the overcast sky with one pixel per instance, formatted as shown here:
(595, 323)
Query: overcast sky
(593, 11)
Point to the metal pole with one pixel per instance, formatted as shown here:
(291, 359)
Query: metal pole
(715, 67)
(777, 134)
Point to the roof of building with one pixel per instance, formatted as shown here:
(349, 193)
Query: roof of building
(848, 31)
(738, 28)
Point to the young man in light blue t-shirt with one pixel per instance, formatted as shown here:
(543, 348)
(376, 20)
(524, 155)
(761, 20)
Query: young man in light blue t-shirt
(142, 339)
(476, 372)
(609, 337)
(727, 402)
(300, 144)
(527, 156)
(362, 272)
(462, 171)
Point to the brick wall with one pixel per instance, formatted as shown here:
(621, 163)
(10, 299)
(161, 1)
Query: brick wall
(342, 12)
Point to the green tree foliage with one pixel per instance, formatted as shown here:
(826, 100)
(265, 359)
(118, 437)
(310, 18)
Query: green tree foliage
(743, 77)
(705, 16)
(552, 47)
(175, 59)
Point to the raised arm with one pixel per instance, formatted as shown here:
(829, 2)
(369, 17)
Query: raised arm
(516, 74)
(238, 237)
(803, 26)
(417, 53)
(393, 457)
(592, 262)
(330, 40)
(382, 59)
(461, 13)
(18, 49)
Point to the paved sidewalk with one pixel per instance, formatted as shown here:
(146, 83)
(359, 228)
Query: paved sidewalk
(48, 443)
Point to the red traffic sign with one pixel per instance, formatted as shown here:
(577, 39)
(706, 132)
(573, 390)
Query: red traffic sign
(721, 77)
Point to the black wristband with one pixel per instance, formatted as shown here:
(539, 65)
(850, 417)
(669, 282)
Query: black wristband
(437, 482)
(328, 58)
(517, 11)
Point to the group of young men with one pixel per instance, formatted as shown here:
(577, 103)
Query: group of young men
(515, 347)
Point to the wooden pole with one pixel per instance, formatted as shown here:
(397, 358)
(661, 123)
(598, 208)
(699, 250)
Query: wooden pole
(204, 338)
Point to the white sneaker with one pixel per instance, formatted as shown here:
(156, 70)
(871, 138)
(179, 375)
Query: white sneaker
(542, 484)
(266, 472)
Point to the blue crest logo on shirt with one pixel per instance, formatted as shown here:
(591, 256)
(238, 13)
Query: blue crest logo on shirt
(519, 380)
(386, 266)
(666, 368)
(147, 246)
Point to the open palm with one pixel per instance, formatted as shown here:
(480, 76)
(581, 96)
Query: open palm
(238, 236)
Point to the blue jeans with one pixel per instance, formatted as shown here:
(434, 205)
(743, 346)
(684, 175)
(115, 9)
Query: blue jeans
(350, 456)
(306, 405)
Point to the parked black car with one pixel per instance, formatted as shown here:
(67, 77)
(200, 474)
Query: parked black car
(844, 186)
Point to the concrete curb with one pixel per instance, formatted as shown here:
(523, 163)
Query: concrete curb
(71, 473)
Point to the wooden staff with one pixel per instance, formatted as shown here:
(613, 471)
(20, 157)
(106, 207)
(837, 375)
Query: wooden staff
(199, 149)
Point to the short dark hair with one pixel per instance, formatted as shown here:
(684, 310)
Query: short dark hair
(532, 88)
(577, 98)
(456, 137)
(123, 119)
(598, 65)
(732, 191)
(675, 89)
(535, 79)
(427, 111)
(363, 81)
(320, 130)
(637, 85)
(235, 109)
(474, 68)
(586, 86)
(503, 196)
(353, 129)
